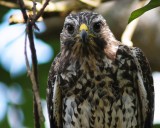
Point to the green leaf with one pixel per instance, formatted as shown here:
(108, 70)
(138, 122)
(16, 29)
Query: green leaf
(135, 14)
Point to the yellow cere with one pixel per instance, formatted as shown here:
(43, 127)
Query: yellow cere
(83, 27)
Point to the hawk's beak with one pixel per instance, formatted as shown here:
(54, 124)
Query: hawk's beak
(83, 32)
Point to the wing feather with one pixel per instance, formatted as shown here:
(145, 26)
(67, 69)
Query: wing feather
(144, 83)
(148, 84)
(54, 95)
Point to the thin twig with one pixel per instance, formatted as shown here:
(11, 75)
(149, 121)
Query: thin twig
(38, 115)
(34, 76)
(32, 17)
(34, 8)
(26, 56)
(41, 11)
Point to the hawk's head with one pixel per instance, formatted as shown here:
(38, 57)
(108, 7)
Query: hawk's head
(85, 33)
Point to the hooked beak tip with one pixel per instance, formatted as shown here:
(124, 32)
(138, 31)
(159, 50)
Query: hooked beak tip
(84, 36)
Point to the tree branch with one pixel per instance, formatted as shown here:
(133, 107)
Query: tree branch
(23, 10)
(33, 73)
(40, 13)
(8, 4)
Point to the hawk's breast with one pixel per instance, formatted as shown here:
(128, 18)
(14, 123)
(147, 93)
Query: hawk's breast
(100, 97)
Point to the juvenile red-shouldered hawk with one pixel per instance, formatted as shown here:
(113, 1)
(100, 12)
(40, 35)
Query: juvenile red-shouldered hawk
(97, 82)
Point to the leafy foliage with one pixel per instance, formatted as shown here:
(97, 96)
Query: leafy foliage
(152, 4)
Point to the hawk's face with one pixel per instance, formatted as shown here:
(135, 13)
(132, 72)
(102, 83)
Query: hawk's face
(86, 29)
(85, 33)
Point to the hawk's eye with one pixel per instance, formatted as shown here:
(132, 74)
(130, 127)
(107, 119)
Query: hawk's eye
(97, 26)
(69, 28)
